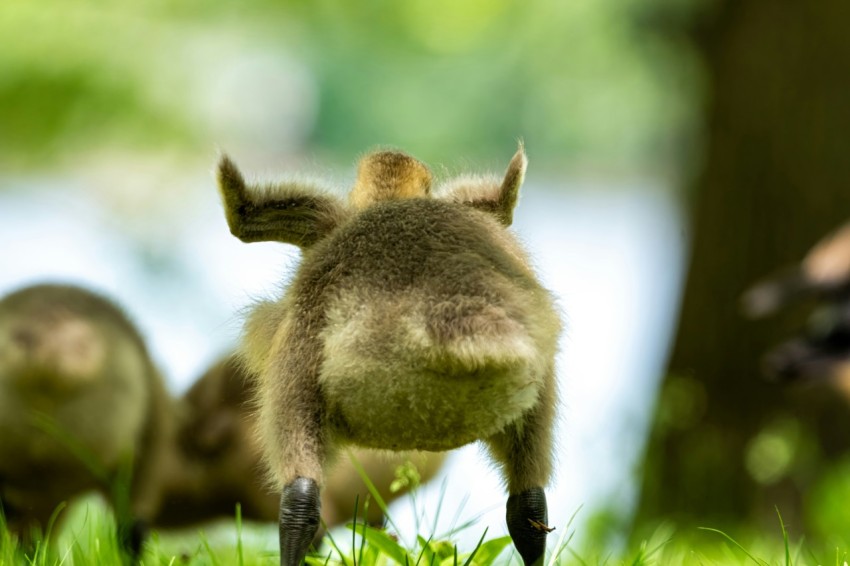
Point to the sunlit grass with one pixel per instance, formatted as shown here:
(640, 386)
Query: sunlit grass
(85, 534)
(87, 537)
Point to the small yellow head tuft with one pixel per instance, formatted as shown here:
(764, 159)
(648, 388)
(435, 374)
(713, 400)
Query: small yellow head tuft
(389, 175)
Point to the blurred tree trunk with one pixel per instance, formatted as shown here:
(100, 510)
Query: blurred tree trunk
(774, 178)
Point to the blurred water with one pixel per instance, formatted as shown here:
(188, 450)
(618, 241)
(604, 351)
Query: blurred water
(612, 255)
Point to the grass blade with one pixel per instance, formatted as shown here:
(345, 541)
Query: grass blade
(443, 487)
(561, 545)
(385, 543)
(474, 550)
(490, 550)
(330, 538)
(784, 537)
(455, 530)
(372, 489)
(240, 559)
(49, 426)
(733, 541)
(354, 530)
(426, 548)
(208, 548)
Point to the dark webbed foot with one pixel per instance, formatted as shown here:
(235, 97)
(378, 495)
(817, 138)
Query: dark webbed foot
(299, 519)
(527, 518)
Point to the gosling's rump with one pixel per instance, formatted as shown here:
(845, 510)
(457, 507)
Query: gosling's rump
(433, 336)
(392, 382)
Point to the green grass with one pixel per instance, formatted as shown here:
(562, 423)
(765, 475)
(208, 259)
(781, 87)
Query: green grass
(87, 537)
(84, 534)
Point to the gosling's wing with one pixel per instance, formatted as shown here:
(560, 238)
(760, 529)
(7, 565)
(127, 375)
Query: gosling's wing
(489, 193)
(289, 212)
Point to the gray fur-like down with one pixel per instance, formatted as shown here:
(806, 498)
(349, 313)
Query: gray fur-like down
(414, 321)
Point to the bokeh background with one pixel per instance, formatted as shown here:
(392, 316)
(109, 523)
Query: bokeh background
(679, 150)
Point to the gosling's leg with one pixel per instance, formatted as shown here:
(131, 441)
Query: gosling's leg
(300, 505)
(300, 501)
(525, 451)
(292, 429)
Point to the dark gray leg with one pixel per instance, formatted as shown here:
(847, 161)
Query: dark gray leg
(527, 525)
(299, 519)
(524, 449)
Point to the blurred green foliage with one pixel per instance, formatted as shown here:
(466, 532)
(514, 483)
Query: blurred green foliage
(577, 80)
(826, 504)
